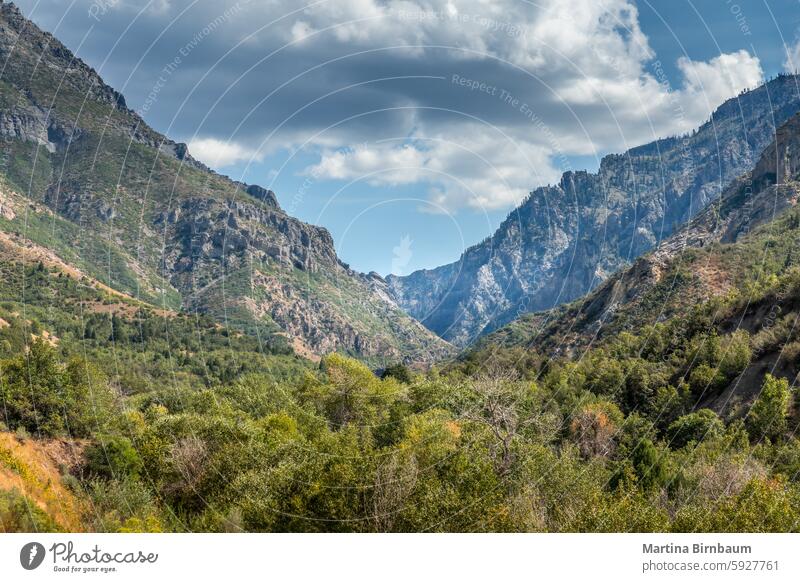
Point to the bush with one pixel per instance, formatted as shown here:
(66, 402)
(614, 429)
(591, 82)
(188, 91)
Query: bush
(122, 506)
(649, 464)
(768, 416)
(352, 393)
(47, 398)
(594, 428)
(113, 457)
(694, 427)
(20, 514)
(399, 372)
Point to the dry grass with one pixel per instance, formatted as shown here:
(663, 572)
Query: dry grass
(34, 468)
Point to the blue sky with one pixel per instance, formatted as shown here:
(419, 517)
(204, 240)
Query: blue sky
(411, 128)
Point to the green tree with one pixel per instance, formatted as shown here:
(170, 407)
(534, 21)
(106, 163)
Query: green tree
(399, 372)
(649, 464)
(768, 416)
(351, 393)
(113, 457)
(694, 427)
(45, 397)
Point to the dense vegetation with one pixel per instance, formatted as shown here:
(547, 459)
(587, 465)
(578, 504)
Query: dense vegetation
(341, 450)
(184, 427)
(687, 423)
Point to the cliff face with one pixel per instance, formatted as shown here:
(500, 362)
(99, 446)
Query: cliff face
(747, 232)
(135, 210)
(566, 239)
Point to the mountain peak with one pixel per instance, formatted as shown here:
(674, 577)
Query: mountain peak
(42, 48)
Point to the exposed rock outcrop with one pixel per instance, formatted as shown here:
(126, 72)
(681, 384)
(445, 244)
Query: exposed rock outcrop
(624, 300)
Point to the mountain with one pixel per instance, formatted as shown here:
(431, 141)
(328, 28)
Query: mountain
(735, 267)
(83, 176)
(566, 239)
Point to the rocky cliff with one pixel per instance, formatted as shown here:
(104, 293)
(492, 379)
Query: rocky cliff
(739, 241)
(566, 239)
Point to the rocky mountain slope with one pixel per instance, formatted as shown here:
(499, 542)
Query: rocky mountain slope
(735, 266)
(566, 239)
(85, 177)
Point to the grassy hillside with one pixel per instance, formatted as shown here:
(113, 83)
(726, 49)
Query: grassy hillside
(33, 495)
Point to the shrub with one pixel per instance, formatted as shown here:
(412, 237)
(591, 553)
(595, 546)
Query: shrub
(20, 514)
(594, 428)
(694, 427)
(649, 464)
(768, 416)
(113, 457)
(45, 397)
(399, 372)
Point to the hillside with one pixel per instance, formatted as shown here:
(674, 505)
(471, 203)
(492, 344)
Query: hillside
(733, 268)
(566, 239)
(85, 177)
(32, 497)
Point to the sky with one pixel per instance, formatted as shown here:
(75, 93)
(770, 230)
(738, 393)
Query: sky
(411, 128)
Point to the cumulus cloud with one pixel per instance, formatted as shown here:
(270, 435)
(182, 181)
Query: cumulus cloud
(792, 62)
(218, 153)
(548, 81)
(379, 165)
(479, 171)
(722, 77)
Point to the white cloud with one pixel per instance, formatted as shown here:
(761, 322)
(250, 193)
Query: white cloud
(160, 7)
(478, 171)
(385, 165)
(300, 31)
(593, 57)
(722, 77)
(218, 153)
(470, 165)
(792, 62)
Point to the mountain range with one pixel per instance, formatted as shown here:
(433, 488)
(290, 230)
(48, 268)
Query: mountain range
(732, 269)
(566, 239)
